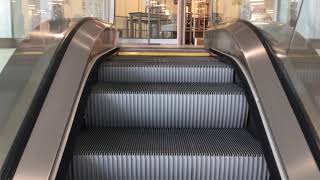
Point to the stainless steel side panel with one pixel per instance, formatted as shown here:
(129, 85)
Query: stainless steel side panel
(44, 150)
(290, 148)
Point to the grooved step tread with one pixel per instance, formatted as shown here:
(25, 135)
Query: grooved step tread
(160, 58)
(165, 70)
(124, 61)
(167, 88)
(149, 141)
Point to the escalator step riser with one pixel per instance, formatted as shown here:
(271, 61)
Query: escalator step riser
(160, 74)
(128, 167)
(216, 110)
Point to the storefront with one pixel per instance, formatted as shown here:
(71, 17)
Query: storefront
(185, 21)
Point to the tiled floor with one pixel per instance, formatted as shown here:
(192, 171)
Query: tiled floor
(5, 54)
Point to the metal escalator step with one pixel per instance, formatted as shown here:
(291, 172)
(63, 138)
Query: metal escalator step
(160, 59)
(166, 70)
(167, 106)
(150, 154)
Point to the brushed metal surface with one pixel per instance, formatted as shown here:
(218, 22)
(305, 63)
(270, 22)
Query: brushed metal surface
(44, 150)
(22, 82)
(290, 148)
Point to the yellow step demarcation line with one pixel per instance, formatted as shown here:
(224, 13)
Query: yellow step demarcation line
(174, 54)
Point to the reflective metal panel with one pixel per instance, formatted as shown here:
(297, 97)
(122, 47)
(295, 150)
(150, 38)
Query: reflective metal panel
(24, 76)
(44, 150)
(291, 151)
(297, 47)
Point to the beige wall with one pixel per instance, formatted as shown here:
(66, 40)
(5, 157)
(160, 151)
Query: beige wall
(172, 7)
(73, 9)
(228, 10)
(123, 7)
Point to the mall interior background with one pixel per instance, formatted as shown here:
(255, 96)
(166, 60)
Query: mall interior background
(138, 20)
(18, 17)
(162, 24)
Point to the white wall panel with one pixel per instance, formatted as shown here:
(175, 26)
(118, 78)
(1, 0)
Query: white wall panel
(5, 19)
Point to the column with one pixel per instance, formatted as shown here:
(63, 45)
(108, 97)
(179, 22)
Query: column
(283, 11)
(309, 21)
(181, 21)
(131, 26)
(5, 19)
(139, 25)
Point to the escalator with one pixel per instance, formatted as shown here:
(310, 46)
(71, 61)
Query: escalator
(147, 117)
(89, 108)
